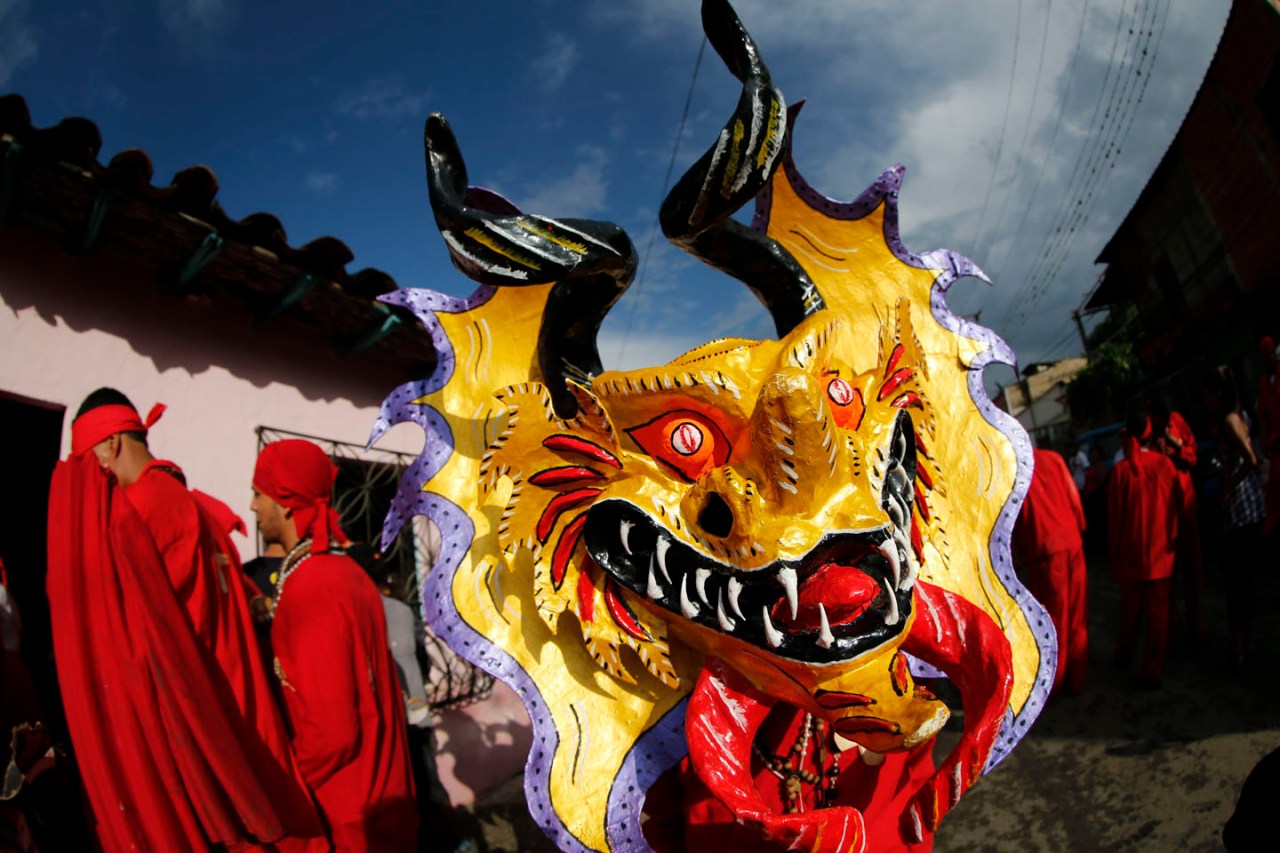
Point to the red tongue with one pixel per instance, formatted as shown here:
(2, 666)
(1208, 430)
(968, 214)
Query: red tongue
(844, 591)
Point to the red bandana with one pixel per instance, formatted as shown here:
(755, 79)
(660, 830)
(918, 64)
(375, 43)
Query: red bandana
(103, 422)
(298, 475)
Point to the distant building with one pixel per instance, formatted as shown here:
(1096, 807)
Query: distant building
(1194, 265)
(1039, 400)
(107, 279)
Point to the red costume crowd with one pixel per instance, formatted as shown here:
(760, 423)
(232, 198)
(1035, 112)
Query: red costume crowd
(181, 742)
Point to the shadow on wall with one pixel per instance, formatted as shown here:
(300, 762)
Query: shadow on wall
(488, 741)
(195, 333)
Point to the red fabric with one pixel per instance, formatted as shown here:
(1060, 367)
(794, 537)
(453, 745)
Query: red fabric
(168, 760)
(223, 516)
(898, 807)
(298, 475)
(1145, 504)
(101, 423)
(1149, 599)
(343, 701)
(1060, 582)
(1052, 515)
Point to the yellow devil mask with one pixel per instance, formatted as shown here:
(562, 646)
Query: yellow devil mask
(653, 559)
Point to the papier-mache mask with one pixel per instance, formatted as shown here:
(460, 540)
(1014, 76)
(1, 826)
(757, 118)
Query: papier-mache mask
(652, 559)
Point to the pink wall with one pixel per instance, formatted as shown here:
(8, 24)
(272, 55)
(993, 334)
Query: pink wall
(69, 325)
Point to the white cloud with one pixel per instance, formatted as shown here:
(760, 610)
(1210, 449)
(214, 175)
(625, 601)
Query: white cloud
(18, 44)
(926, 84)
(382, 97)
(551, 67)
(321, 183)
(195, 21)
(580, 193)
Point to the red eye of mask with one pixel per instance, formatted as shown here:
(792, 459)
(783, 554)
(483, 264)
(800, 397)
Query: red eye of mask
(684, 441)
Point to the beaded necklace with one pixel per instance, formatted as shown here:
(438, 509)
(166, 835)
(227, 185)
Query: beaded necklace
(296, 557)
(791, 770)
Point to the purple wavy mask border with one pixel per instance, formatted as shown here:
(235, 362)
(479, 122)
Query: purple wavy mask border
(655, 751)
(953, 267)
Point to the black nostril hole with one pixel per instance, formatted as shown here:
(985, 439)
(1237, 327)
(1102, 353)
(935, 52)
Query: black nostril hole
(716, 518)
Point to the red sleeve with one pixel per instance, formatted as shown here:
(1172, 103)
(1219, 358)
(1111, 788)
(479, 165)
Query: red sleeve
(315, 654)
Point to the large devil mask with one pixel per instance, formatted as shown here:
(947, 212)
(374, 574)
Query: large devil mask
(652, 559)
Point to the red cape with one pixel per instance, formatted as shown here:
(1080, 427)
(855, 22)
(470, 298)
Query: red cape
(168, 759)
(1052, 516)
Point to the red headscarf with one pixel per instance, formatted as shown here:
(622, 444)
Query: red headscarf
(101, 423)
(298, 475)
(1133, 443)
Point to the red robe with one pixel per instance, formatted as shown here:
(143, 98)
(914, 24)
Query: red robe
(176, 752)
(1048, 550)
(344, 704)
(1145, 504)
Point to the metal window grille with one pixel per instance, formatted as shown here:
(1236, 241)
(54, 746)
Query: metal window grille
(362, 493)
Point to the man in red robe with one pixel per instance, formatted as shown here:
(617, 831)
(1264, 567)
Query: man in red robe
(1049, 551)
(340, 686)
(171, 715)
(1173, 438)
(1144, 507)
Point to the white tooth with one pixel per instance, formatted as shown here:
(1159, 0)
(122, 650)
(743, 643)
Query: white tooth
(895, 512)
(891, 618)
(700, 583)
(687, 607)
(735, 588)
(653, 590)
(624, 535)
(825, 637)
(900, 446)
(663, 544)
(772, 634)
(788, 578)
(909, 580)
(890, 552)
(726, 624)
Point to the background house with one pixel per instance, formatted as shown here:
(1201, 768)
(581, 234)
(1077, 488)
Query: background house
(109, 279)
(1192, 278)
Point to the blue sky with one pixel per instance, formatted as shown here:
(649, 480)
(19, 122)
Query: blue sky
(1000, 110)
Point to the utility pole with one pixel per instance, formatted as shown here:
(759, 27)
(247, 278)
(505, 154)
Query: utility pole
(1084, 341)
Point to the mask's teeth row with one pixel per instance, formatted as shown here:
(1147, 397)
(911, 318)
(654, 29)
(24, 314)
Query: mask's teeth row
(889, 550)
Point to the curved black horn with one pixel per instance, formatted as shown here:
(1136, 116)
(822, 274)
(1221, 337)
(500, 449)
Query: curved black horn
(696, 213)
(491, 242)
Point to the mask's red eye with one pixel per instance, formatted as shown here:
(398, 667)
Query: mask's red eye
(684, 441)
(847, 406)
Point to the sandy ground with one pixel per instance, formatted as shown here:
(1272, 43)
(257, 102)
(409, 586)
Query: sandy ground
(1114, 768)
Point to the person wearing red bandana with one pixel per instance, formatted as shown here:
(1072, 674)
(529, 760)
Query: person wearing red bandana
(171, 715)
(1145, 504)
(1049, 551)
(339, 681)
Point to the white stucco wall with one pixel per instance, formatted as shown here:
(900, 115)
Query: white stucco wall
(70, 325)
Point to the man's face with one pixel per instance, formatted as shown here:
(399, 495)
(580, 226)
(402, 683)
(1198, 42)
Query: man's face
(106, 452)
(272, 517)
